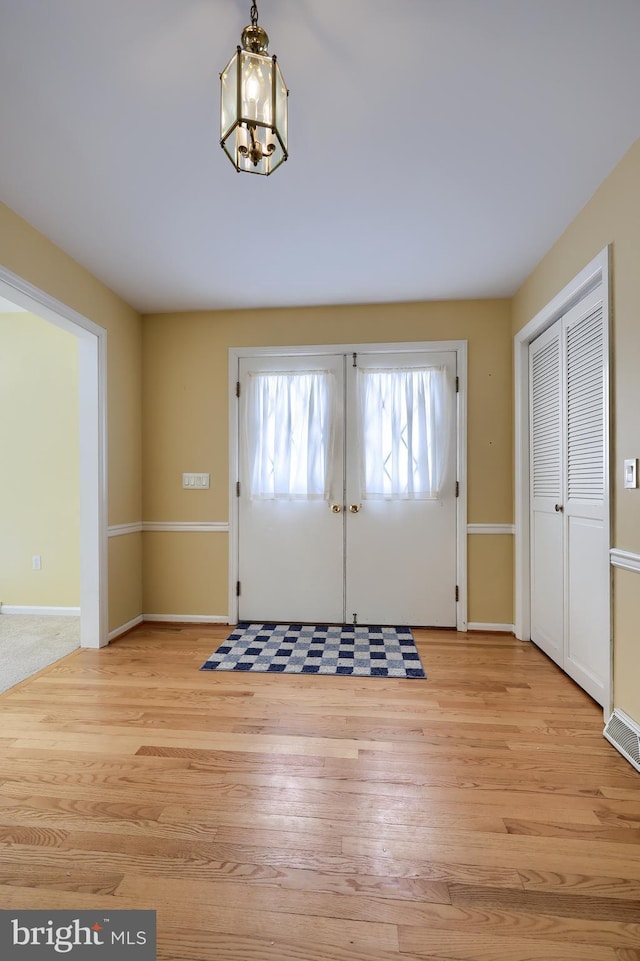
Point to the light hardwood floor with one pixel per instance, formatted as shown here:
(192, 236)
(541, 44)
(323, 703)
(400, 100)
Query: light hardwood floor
(478, 815)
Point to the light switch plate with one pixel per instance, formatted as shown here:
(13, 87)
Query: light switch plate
(631, 473)
(195, 482)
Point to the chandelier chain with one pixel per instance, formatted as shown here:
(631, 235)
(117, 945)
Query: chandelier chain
(254, 13)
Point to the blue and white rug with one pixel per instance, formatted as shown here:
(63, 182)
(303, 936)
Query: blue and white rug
(313, 649)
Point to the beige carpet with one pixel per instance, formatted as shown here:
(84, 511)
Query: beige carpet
(30, 642)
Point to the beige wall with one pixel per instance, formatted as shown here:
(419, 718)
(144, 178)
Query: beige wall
(125, 579)
(39, 466)
(185, 573)
(612, 216)
(185, 396)
(184, 386)
(31, 256)
(185, 428)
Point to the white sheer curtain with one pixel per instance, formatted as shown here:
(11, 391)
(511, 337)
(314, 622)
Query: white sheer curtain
(404, 424)
(289, 434)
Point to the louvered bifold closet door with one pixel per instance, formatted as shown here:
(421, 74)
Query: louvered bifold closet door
(547, 491)
(586, 508)
(585, 409)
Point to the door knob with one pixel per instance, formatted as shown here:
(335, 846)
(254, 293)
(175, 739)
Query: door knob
(559, 508)
(354, 508)
(336, 508)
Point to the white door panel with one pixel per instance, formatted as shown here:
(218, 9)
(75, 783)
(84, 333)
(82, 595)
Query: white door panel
(401, 553)
(401, 558)
(290, 562)
(587, 656)
(291, 550)
(587, 555)
(547, 583)
(570, 598)
(547, 466)
(313, 560)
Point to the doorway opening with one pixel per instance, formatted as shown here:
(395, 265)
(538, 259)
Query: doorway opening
(594, 275)
(344, 532)
(92, 343)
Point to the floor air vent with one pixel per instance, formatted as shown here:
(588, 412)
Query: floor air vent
(624, 734)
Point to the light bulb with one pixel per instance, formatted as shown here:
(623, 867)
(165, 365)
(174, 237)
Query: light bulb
(256, 100)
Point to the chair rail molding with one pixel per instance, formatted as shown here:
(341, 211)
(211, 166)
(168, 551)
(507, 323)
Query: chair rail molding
(626, 560)
(119, 530)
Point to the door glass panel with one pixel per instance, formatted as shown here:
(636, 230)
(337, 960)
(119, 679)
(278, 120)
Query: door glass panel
(404, 422)
(290, 434)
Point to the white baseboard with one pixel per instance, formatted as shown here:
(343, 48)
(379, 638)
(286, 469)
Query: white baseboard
(503, 628)
(168, 618)
(188, 618)
(187, 527)
(116, 632)
(30, 609)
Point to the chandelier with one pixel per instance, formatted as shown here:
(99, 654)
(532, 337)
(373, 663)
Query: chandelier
(253, 105)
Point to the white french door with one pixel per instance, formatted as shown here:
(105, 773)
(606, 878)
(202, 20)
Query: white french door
(569, 516)
(400, 557)
(347, 488)
(291, 536)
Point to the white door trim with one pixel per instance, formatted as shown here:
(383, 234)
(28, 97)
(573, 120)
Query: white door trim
(92, 394)
(596, 272)
(457, 346)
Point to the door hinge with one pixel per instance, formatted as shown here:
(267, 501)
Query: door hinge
(457, 488)
(355, 360)
(457, 593)
(237, 388)
(237, 488)
(237, 588)
(457, 385)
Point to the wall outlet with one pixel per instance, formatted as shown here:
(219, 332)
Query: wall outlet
(36, 562)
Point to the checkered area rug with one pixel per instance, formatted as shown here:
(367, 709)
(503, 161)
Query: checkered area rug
(313, 649)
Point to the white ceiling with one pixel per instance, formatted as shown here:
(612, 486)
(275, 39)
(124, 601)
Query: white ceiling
(438, 147)
(6, 307)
